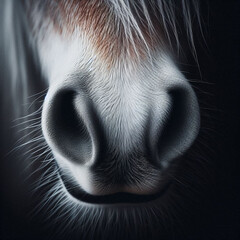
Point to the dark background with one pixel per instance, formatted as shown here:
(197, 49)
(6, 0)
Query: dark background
(222, 68)
(219, 61)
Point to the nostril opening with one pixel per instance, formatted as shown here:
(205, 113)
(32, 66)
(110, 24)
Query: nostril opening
(179, 128)
(67, 132)
(176, 120)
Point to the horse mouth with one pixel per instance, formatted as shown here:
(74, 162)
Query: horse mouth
(114, 198)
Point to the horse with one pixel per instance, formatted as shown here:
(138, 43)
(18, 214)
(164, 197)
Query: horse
(106, 117)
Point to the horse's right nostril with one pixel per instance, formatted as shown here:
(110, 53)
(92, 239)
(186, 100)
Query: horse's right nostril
(71, 127)
(179, 128)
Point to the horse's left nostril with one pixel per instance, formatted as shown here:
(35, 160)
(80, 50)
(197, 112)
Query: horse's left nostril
(71, 127)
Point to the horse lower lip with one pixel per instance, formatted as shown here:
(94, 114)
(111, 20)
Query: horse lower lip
(116, 198)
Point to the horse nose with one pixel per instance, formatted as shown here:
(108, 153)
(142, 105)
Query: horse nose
(79, 138)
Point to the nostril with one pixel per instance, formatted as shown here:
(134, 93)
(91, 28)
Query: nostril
(70, 127)
(179, 128)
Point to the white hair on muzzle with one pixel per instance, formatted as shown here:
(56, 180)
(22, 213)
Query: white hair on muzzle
(19, 59)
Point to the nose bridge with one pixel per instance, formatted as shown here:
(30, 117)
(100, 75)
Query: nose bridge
(124, 114)
(125, 100)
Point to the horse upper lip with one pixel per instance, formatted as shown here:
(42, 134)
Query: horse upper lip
(113, 198)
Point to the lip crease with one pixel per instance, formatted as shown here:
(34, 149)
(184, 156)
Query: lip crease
(115, 198)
